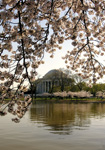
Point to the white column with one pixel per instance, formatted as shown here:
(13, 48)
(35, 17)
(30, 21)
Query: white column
(42, 87)
(45, 86)
(48, 86)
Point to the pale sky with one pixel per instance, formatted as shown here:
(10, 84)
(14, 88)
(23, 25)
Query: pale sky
(56, 62)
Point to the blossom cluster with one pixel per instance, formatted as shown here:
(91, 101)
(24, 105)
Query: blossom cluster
(17, 108)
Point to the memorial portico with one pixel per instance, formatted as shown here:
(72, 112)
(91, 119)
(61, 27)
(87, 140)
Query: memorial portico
(50, 79)
(47, 84)
(44, 86)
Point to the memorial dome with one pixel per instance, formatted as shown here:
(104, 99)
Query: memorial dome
(52, 73)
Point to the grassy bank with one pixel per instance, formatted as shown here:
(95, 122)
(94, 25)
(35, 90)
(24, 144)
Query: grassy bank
(93, 99)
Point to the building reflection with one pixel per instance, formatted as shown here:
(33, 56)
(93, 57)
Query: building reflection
(62, 118)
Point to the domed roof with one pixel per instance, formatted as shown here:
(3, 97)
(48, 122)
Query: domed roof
(52, 73)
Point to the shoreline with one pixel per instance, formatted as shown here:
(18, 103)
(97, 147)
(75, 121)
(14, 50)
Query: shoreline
(70, 100)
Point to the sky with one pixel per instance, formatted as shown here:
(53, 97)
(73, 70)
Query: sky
(56, 62)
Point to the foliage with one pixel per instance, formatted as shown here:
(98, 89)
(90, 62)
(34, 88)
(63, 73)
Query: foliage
(97, 87)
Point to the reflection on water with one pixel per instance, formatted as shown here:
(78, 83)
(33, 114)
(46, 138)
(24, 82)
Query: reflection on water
(56, 126)
(64, 116)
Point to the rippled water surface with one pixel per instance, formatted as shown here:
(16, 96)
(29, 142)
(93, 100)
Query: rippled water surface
(56, 126)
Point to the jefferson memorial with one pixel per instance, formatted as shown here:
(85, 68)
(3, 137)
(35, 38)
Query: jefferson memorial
(52, 78)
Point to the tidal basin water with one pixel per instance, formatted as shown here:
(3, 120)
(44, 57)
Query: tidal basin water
(56, 126)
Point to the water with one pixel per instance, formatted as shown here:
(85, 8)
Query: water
(56, 126)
